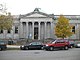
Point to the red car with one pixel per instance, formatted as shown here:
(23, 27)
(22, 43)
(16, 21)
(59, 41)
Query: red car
(57, 44)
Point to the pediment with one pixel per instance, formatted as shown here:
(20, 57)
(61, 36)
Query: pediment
(36, 15)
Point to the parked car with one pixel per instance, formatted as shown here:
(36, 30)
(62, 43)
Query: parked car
(33, 45)
(77, 45)
(57, 44)
(71, 44)
(3, 45)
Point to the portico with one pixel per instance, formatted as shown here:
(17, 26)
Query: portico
(35, 30)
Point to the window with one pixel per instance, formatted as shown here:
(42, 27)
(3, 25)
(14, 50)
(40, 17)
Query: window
(16, 29)
(1, 31)
(9, 31)
(73, 29)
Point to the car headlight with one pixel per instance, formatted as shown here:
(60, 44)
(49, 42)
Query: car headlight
(46, 45)
(22, 46)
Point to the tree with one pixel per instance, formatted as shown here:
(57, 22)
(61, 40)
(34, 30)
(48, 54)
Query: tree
(63, 29)
(6, 21)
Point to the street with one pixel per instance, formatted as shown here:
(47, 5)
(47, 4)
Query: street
(71, 54)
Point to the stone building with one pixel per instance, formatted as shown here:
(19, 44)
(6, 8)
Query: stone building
(38, 25)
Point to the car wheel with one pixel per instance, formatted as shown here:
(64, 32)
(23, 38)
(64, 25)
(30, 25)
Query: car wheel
(26, 48)
(71, 46)
(66, 47)
(42, 48)
(51, 48)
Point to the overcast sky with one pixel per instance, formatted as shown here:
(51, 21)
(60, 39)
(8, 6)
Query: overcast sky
(57, 7)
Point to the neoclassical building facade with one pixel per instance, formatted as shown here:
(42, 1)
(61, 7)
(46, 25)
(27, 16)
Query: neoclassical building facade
(38, 25)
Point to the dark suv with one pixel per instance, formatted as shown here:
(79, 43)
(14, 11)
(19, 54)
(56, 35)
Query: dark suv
(57, 44)
(3, 45)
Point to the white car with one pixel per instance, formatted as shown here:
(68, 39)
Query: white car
(77, 45)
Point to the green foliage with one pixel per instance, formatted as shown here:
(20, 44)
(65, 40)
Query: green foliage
(63, 29)
(6, 22)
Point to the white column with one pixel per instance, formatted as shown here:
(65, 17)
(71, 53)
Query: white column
(77, 31)
(26, 29)
(33, 30)
(12, 31)
(77, 26)
(52, 30)
(39, 32)
(21, 30)
(45, 31)
(5, 34)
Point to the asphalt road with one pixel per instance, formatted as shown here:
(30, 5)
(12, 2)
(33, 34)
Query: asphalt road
(71, 54)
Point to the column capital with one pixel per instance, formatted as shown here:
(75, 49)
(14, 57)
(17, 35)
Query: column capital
(26, 21)
(45, 22)
(33, 22)
(52, 22)
(39, 22)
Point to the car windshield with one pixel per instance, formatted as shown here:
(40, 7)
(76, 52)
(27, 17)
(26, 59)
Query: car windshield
(2, 42)
(35, 43)
(53, 41)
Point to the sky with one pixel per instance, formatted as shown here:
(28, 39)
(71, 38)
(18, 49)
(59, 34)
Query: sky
(56, 7)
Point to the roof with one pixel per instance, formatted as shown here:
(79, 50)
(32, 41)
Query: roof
(36, 10)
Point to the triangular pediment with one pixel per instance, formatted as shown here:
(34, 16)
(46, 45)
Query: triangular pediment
(37, 15)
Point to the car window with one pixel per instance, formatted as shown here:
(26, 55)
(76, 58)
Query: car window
(33, 43)
(2, 42)
(52, 41)
(39, 43)
(61, 41)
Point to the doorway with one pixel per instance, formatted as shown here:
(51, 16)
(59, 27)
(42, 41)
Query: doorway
(35, 32)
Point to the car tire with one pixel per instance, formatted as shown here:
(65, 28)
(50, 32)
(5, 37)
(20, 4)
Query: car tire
(66, 47)
(51, 48)
(42, 48)
(71, 46)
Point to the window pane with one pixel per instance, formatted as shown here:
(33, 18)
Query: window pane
(73, 29)
(8, 31)
(16, 29)
(1, 31)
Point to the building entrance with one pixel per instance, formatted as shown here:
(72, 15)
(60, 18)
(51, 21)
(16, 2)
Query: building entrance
(35, 32)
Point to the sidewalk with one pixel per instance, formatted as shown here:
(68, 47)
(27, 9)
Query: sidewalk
(13, 46)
